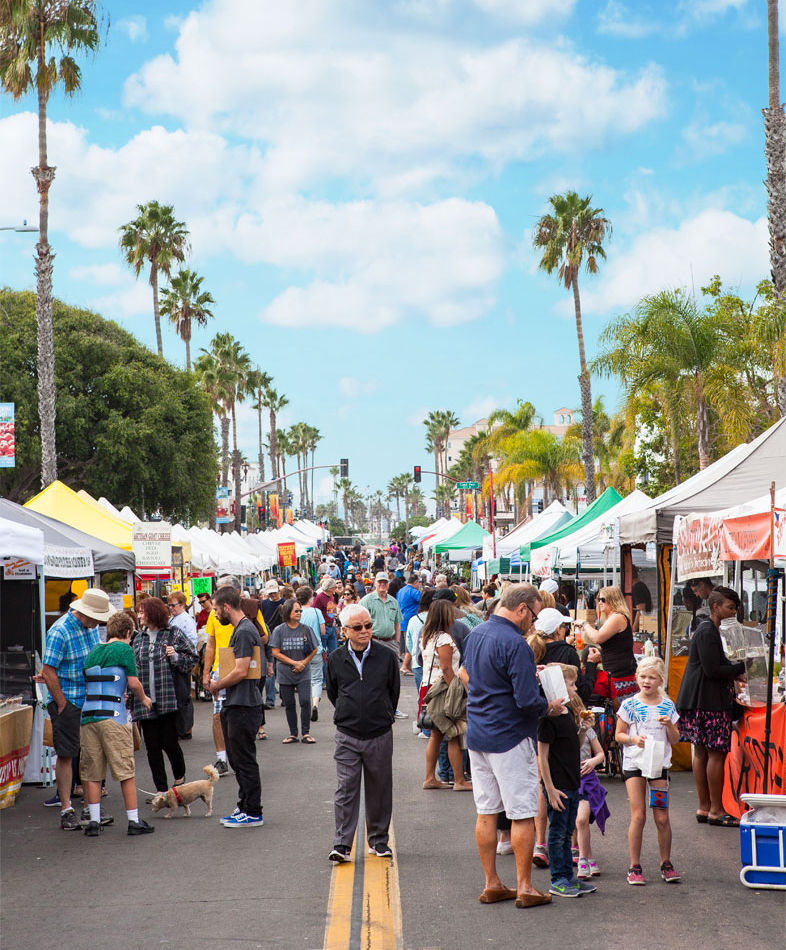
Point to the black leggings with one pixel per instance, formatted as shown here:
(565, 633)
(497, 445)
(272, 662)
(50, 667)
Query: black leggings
(161, 736)
(287, 691)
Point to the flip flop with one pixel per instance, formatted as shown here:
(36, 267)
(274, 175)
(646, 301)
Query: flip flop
(702, 819)
(493, 895)
(309, 740)
(261, 735)
(441, 786)
(289, 740)
(725, 821)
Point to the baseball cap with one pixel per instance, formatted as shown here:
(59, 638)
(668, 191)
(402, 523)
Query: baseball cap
(550, 586)
(271, 586)
(549, 620)
(382, 576)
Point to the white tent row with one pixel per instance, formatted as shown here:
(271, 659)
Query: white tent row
(591, 547)
(20, 541)
(420, 532)
(536, 527)
(443, 532)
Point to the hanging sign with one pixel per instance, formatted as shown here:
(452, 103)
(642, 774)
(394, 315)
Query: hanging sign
(7, 436)
(17, 569)
(287, 556)
(698, 547)
(151, 543)
(748, 538)
(68, 562)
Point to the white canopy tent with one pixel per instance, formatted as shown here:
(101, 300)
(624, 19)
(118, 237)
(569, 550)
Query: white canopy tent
(419, 532)
(531, 530)
(18, 541)
(443, 533)
(743, 473)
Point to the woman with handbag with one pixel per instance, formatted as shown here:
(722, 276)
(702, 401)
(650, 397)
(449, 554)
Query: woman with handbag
(164, 660)
(440, 661)
(615, 639)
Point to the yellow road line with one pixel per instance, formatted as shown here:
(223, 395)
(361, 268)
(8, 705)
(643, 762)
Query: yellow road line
(339, 915)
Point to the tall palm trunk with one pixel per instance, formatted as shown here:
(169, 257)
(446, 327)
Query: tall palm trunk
(44, 176)
(187, 341)
(156, 309)
(311, 496)
(261, 457)
(437, 453)
(702, 427)
(236, 470)
(346, 511)
(225, 450)
(588, 454)
(775, 153)
(273, 453)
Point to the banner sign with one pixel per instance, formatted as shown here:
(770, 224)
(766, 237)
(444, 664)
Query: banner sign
(201, 585)
(68, 562)
(7, 436)
(290, 516)
(273, 509)
(744, 768)
(705, 541)
(542, 561)
(748, 538)
(151, 543)
(698, 547)
(287, 557)
(17, 569)
(222, 506)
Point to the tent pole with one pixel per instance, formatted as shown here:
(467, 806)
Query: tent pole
(772, 590)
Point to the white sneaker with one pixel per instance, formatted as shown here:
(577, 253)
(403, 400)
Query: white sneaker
(505, 847)
(583, 869)
(401, 715)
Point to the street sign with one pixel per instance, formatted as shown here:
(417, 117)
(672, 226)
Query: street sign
(468, 486)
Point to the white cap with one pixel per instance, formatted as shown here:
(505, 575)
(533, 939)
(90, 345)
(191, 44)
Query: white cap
(549, 620)
(549, 585)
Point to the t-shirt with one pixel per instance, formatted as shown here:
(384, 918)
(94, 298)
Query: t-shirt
(113, 653)
(586, 745)
(296, 643)
(561, 735)
(222, 632)
(187, 625)
(430, 656)
(312, 618)
(326, 605)
(408, 600)
(641, 595)
(642, 720)
(245, 637)
(385, 614)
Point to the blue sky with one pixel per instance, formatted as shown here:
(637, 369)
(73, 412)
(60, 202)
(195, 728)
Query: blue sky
(361, 179)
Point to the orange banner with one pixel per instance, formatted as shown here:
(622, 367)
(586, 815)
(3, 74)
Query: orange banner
(744, 770)
(290, 515)
(274, 511)
(748, 538)
(287, 557)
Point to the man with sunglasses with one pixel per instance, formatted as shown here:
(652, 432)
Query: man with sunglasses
(363, 685)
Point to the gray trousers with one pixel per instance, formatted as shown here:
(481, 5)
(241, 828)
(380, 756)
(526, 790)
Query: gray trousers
(373, 758)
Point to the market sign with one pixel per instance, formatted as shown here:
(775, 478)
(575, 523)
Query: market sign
(747, 538)
(68, 562)
(287, 556)
(542, 561)
(201, 585)
(704, 542)
(698, 547)
(151, 543)
(17, 569)
(7, 436)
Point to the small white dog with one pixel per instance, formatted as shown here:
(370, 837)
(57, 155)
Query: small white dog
(181, 796)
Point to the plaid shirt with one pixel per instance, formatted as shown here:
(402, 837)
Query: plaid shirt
(67, 644)
(184, 660)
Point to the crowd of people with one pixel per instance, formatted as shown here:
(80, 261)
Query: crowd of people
(510, 690)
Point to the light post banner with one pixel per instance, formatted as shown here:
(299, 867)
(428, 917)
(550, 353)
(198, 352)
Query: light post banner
(287, 556)
(151, 543)
(7, 436)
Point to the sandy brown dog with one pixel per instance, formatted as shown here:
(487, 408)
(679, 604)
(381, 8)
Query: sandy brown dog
(181, 796)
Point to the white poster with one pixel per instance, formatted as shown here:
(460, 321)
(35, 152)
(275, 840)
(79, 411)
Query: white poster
(68, 562)
(152, 546)
(16, 569)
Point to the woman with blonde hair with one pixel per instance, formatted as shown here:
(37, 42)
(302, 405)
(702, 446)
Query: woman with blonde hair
(469, 612)
(615, 639)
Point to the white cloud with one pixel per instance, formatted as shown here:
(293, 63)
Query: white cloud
(713, 138)
(481, 407)
(134, 27)
(102, 275)
(712, 242)
(330, 94)
(527, 11)
(615, 19)
(418, 417)
(351, 388)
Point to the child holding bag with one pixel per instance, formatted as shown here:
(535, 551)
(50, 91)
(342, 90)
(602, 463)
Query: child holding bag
(644, 719)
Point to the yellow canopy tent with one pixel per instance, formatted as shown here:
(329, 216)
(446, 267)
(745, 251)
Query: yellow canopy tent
(60, 502)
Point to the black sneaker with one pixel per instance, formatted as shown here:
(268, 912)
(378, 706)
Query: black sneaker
(69, 821)
(340, 854)
(93, 829)
(140, 827)
(381, 851)
(221, 767)
(105, 819)
(314, 713)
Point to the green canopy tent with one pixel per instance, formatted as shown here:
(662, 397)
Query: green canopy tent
(470, 536)
(607, 500)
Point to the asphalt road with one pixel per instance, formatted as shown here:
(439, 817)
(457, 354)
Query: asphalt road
(194, 884)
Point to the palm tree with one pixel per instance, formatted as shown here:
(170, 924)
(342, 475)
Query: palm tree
(572, 234)
(28, 31)
(444, 495)
(215, 381)
(438, 424)
(775, 153)
(633, 349)
(538, 455)
(274, 404)
(314, 438)
(284, 448)
(258, 382)
(394, 491)
(185, 303)
(346, 488)
(154, 236)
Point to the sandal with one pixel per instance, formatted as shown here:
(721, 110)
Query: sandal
(289, 740)
(724, 821)
(261, 735)
(701, 817)
(309, 740)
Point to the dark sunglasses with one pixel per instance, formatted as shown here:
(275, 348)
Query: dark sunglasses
(357, 627)
(174, 604)
(601, 600)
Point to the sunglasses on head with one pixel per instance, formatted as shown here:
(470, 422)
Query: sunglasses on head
(357, 627)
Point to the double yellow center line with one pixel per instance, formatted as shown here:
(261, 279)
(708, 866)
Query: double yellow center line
(364, 906)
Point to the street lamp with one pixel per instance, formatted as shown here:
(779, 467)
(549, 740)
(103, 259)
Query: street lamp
(25, 229)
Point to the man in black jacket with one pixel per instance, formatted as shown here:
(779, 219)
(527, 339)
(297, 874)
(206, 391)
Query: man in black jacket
(363, 684)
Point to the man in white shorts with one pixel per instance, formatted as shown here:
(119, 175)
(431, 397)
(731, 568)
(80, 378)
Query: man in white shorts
(503, 708)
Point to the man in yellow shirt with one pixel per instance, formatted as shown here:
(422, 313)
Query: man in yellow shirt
(218, 635)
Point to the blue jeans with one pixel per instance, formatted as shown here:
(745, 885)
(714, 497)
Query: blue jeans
(444, 768)
(329, 644)
(561, 827)
(270, 687)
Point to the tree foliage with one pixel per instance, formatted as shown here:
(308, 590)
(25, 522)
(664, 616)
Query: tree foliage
(129, 425)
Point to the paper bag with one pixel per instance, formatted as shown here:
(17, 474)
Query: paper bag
(553, 683)
(226, 663)
(651, 762)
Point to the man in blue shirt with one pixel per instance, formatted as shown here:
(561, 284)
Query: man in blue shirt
(68, 642)
(408, 600)
(503, 708)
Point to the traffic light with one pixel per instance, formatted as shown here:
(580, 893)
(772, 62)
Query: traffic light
(417, 473)
(343, 465)
(540, 505)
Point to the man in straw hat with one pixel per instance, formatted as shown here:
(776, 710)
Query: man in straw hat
(68, 643)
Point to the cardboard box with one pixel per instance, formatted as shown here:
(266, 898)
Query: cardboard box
(16, 726)
(226, 663)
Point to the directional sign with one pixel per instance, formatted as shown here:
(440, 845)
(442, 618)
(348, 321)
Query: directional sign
(468, 486)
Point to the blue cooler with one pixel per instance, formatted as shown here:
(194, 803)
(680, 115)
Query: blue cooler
(763, 842)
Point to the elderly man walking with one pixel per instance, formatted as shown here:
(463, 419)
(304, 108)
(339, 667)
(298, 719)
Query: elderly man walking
(68, 642)
(386, 616)
(363, 684)
(503, 708)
